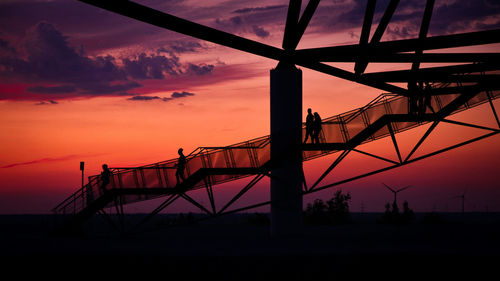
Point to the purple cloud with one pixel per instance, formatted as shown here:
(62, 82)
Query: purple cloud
(259, 9)
(259, 31)
(47, 102)
(181, 94)
(174, 95)
(199, 69)
(49, 59)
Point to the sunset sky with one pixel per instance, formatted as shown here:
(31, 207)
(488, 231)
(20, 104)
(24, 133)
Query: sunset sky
(81, 84)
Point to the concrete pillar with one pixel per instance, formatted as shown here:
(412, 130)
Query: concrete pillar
(286, 153)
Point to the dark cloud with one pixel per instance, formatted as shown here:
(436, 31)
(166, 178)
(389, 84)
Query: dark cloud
(144, 98)
(48, 58)
(199, 69)
(448, 17)
(6, 48)
(181, 94)
(180, 47)
(259, 9)
(259, 31)
(253, 20)
(175, 95)
(152, 66)
(47, 102)
(52, 90)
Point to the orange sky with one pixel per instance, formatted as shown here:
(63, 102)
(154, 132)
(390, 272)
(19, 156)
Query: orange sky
(42, 145)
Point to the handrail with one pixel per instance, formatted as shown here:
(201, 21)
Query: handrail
(205, 154)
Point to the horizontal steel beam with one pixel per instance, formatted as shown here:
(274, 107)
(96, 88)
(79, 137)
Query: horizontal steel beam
(441, 72)
(405, 45)
(423, 58)
(467, 78)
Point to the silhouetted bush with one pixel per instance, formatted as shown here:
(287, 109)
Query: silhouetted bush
(335, 211)
(394, 217)
(259, 219)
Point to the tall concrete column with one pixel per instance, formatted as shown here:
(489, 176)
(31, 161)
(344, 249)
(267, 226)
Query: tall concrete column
(286, 153)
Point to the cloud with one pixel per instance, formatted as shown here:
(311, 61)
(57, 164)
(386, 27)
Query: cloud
(199, 69)
(48, 58)
(47, 102)
(174, 95)
(179, 47)
(447, 17)
(152, 66)
(259, 31)
(143, 98)
(181, 94)
(259, 9)
(43, 160)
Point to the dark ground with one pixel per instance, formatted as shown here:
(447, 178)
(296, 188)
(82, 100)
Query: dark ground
(237, 248)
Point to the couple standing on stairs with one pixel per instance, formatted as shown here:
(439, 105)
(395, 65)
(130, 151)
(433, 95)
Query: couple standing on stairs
(313, 126)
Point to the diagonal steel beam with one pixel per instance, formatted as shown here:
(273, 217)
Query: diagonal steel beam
(304, 20)
(292, 20)
(334, 71)
(493, 108)
(424, 28)
(379, 32)
(367, 22)
(334, 164)
(374, 156)
(393, 137)
(254, 181)
(170, 22)
(195, 203)
(422, 139)
(360, 65)
(402, 164)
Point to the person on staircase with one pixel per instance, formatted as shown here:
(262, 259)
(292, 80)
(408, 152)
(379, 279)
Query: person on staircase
(316, 128)
(105, 177)
(309, 125)
(181, 166)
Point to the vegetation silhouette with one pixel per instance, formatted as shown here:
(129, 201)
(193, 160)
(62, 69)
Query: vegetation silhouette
(393, 216)
(335, 211)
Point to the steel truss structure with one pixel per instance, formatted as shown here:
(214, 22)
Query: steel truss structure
(430, 95)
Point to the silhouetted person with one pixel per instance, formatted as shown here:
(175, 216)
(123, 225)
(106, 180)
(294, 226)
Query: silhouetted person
(105, 175)
(309, 125)
(316, 128)
(181, 166)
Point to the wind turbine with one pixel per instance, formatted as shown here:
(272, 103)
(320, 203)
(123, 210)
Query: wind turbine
(463, 200)
(396, 191)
